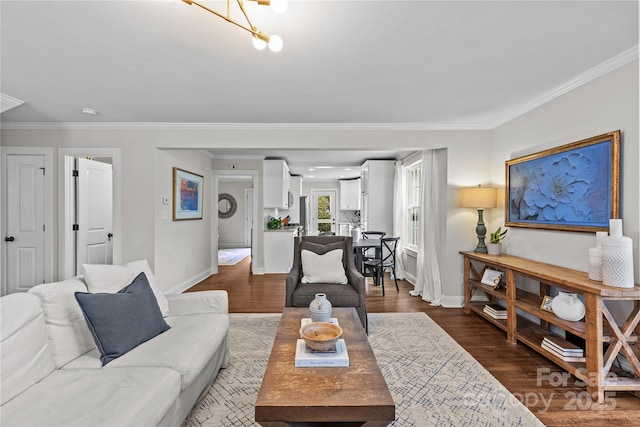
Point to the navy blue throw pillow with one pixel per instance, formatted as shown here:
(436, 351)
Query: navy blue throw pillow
(120, 322)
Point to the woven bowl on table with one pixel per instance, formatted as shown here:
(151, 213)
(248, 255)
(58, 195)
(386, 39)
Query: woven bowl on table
(321, 336)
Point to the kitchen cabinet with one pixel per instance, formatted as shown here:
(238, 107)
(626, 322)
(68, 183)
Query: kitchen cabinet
(350, 194)
(276, 181)
(377, 178)
(528, 323)
(296, 191)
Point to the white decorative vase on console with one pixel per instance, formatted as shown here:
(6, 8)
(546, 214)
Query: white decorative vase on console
(595, 257)
(617, 257)
(567, 306)
(320, 309)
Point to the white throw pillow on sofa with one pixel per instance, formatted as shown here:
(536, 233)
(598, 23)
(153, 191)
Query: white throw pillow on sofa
(327, 268)
(111, 278)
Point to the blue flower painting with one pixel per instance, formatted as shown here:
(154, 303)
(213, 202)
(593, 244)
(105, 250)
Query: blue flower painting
(571, 187)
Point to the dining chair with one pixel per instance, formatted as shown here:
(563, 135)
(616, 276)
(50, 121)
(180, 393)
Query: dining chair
(371, 253)
(385, 260)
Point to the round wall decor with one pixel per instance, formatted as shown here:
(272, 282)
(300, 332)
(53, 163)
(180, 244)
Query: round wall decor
(227, 205)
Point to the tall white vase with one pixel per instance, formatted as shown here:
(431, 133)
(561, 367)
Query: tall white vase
(595, 257)
(617, 257)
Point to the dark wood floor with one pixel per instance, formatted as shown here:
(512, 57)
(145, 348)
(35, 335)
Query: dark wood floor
(542, 386)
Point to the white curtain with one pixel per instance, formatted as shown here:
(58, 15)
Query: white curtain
(431, 225)
(400, 217)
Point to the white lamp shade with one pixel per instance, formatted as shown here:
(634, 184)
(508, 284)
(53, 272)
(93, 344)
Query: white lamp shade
(279, 6)
(258, 43)
(478, 197)
(275, 43)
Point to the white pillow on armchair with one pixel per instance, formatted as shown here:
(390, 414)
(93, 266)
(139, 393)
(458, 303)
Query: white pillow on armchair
(326, 268)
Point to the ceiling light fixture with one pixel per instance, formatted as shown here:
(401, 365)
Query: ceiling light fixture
(260, 40)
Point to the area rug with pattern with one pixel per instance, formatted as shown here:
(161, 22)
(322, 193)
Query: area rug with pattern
(433, 380)
(232, 256)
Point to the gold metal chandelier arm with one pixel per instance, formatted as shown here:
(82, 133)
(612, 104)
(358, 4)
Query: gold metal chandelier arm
(252, 29)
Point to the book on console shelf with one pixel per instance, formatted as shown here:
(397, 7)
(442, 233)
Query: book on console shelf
(563, 349)
(496, 311)
(562, 346)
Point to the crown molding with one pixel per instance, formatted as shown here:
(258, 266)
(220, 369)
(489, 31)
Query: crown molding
(8, 102)
(599, 70)
(242, 126)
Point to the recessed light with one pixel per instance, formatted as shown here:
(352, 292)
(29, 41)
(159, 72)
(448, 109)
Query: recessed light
(324, 167)
(89, 111)
(311, 169)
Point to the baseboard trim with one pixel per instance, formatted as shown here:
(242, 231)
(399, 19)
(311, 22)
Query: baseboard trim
(452, 301)
(181, 287)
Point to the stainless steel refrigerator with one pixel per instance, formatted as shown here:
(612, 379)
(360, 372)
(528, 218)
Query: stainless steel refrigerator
(304, 214)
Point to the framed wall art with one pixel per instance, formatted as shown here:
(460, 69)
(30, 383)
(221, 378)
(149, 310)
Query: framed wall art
(491, 277)
(187, 195)
(574, 187)
(546, 303)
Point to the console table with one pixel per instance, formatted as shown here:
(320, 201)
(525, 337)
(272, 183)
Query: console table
(598, 326)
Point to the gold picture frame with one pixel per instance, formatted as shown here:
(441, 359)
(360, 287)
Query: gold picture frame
(574, 187)
(546, 303)
(188, 191)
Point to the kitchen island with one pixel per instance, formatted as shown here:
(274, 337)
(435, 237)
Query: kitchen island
(278, 250)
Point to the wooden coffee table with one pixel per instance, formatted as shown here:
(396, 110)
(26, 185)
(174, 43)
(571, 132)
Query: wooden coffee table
(347, 396)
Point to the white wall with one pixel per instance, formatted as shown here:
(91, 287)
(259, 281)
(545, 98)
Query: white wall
(231, 230)
(182, 249)
(606, 104)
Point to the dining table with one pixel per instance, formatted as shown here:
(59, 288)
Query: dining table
(360, 246)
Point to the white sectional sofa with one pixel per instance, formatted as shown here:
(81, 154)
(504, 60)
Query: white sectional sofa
(51, 373)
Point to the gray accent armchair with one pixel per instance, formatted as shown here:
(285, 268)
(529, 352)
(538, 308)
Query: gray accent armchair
(351, 294)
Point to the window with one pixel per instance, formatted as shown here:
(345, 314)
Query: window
(414, 179)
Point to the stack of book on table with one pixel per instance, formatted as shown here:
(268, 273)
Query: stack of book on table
(496, 311)
(308, 358)
(563, 349)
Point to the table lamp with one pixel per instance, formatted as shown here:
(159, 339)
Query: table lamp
(479, 198)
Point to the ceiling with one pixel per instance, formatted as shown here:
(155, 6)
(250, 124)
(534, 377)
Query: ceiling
(406, 64)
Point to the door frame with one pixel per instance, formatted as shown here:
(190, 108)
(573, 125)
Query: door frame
(65, 213)
(248, 198)
(47, 152)
(256, 250)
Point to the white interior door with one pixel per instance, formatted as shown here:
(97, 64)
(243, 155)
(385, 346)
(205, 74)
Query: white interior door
(25, 227)
(323, 211)
(95, 213)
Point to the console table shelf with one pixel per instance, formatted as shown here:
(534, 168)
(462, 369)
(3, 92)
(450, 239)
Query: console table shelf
(598, 326)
